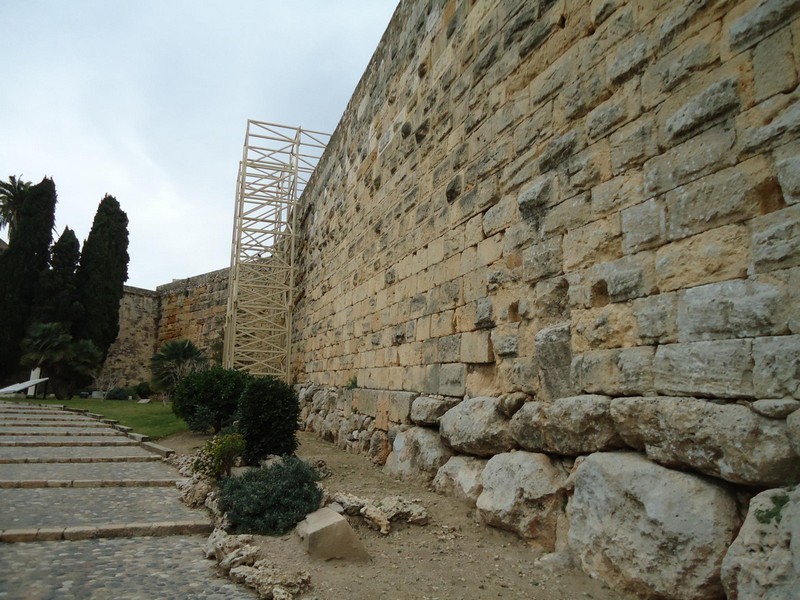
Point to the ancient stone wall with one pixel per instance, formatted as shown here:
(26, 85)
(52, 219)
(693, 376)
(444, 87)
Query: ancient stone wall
(554, 248)
(128, 361)
(194, 309)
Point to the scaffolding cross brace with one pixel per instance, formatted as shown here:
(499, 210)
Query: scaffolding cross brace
(277, 162)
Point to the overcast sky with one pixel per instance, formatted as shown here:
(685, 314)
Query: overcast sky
(148, 101)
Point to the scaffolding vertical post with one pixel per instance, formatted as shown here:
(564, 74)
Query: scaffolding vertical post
(277, 162)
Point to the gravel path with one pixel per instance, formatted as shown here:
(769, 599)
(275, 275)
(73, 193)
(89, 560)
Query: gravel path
(69, 481)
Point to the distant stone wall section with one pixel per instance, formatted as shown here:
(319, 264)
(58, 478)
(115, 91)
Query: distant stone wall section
(192, 308)
(551, 263)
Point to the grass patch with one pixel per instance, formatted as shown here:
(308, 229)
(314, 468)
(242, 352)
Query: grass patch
(153, 419)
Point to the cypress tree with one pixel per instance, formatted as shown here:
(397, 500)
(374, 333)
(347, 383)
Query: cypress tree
(20, 268)
(101, 274)
(57, 296)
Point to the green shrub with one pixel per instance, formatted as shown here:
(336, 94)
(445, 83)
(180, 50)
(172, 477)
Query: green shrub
(120, 393)
(143, 389)
(219, 455)
(270, 501)
(267, 415)
(208, 399)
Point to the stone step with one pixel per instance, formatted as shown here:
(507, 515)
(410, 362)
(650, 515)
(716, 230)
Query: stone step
(106, 530)
(167, 568)
(27, 508)
(36, 454)
(49, 430)
(54, 423)
(64, 440)
(60, 418)
(70, 472)
(8, 484)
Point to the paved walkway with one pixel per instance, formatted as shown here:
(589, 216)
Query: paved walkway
(88, 510)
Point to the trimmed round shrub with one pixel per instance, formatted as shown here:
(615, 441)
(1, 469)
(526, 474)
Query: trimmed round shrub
(143, 389)
(208, 399)
(270, 501)
(120, 393)
(268, 414)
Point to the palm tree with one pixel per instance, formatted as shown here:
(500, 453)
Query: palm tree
(175, 360)
(12, 194)
(67, 362)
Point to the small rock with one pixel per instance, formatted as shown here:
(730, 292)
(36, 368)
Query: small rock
(376, 518)
(778, 408)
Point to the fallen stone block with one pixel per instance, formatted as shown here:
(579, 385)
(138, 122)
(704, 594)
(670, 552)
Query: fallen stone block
(326, 534)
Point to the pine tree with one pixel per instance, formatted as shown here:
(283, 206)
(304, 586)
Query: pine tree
(101, 274)
(57, 295)
(21, 266)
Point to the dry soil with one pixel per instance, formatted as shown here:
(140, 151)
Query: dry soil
(455, 556)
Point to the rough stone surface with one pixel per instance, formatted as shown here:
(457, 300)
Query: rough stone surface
(643, 528)
(524, 493)
(427, 411)
(764, 559)
(326, 534)
(570, 426)
(462, 477)
(728, 441)
(793, 431)
(417, 453)
(477, 426)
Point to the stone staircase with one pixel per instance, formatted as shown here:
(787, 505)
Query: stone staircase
(72, 483)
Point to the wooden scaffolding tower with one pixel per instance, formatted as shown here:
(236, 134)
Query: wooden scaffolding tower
(276, 165)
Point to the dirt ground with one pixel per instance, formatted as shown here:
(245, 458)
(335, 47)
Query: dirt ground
(455, 556)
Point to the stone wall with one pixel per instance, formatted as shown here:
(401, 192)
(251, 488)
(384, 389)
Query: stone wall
(555, 247)
(192, 308)
(128, 360)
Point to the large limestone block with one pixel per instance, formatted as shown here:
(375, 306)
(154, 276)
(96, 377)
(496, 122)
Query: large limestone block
(793, 430)
(326, 534)
(427, 411)
(764, 560)
(462, 477)
(477, 426)
(571, 426)
(646, 529)
(524, 492)
(729, 441)
(417, 453)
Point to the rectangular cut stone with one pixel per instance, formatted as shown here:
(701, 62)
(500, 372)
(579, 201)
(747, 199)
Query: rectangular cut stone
(720, 369)
(615, 372)
(542, 260)
(706, 153)
(554, 352)
(643, 226)
(400, 406)
(777, 367)
(656, 317)
(732, 309)
(598, 241)
(776, 240)
(365, 402)
(476, 347)
(764, 18)
(716, 99)
(452, 379)
(716, 255)
(729, 196)
(449, 348)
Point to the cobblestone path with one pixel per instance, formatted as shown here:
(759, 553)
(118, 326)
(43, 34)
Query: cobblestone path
(90, 511)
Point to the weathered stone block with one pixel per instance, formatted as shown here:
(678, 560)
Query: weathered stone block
(452, 379)
(499, 217)
(476, 426)
(326, 534)
(789, 178)
(706, 153)
(554, 352)
(778, 408)
(764, 18)
(713, 101)
(773, 65)
(631, 55)
(523, 492)
(776, 371)
(598, 241)
(534, 199)
(773, 122)
(656, 318)
(449, 348)
(476, 347)
(616, 372)
(427, 411)
(628, 515)
(731, 309)
(728, 441)
(776, 240)
(643, 226)
(568, 426)
(542, 260)
(715, 255)
(720, 369)
(505, 339)
(417, 454)
(365, 402)
(633, 144)
(764, 559)
(461, 477)
(484, 313)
